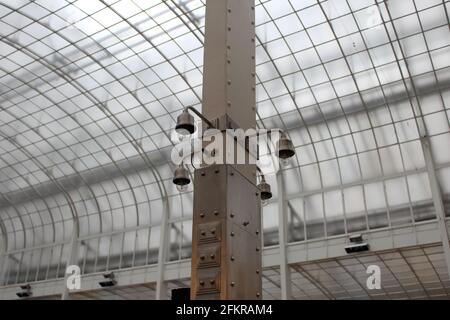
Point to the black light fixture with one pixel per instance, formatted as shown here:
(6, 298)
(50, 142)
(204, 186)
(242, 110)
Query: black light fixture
(181, 178)
(264, 188)
(26, 291)
(357, 244)
(285, 147)
(186, 124)
(110, 280)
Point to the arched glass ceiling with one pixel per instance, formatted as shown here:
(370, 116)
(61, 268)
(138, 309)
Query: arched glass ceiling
(89, 91)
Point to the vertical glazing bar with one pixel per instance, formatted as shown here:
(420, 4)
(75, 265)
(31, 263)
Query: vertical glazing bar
(161, 290)
(3, 255)
(437, 199)
(71, 260)
(285, 274)
(3, 259)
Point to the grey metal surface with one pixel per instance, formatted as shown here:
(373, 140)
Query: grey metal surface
(226, 248)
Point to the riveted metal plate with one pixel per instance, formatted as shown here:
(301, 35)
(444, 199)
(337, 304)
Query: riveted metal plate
(209, 256)
(243, 203)
(245, 265)
(210, 186)
(209, 232)
(209, 284)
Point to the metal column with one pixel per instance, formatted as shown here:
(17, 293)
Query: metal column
(226, 248)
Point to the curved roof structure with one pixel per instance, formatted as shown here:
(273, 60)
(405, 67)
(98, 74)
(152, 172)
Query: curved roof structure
(90, 91)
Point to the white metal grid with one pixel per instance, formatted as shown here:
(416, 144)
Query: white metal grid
(411, 273)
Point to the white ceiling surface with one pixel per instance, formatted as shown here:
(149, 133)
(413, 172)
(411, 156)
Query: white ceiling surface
(90, 90)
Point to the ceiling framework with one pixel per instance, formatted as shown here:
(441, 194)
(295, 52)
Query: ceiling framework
(90, 91)
(409, 273)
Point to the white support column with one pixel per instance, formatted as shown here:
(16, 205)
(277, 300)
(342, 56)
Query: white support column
(285, 273)
(437, 199)
(3, 254)
(3, 260)
(161, 287)
(71, 260)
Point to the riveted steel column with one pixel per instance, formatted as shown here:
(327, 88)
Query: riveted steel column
(226, 248)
